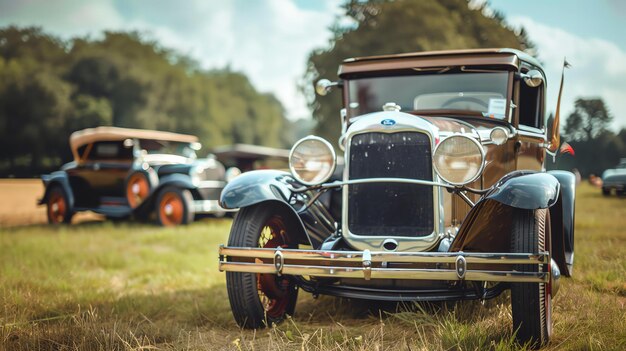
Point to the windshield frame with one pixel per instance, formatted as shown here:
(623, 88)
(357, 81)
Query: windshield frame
(142, 151)
(509, 109)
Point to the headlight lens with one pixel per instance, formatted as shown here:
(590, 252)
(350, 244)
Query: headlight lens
(459, 159)
(312, 160)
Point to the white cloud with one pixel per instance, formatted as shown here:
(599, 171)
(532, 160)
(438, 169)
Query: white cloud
(65, 18)
(267, 40)
(597, 70)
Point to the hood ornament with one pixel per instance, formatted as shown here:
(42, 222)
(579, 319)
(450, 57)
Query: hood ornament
(391, 106)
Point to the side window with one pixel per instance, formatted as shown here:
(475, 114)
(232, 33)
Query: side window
(530, 106)
(110, 150)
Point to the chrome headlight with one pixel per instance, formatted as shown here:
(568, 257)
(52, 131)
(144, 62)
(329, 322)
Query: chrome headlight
(312, 160)
(459, 159)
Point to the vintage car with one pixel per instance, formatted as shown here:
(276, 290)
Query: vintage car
(444, 195)
(120, 172)
(615, 180)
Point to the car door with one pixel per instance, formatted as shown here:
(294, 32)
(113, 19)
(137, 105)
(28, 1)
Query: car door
(102, 173)
(530, 146)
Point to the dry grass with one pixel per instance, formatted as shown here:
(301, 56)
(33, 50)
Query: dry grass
(101, 286)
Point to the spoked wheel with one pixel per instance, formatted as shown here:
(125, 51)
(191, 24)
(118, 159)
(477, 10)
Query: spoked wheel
(258, 300)
(531, 303)
(58, 209)
(137, 189)
(174, 207)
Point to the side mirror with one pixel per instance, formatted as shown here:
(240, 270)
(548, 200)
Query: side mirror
(533, 78)
(324, 86)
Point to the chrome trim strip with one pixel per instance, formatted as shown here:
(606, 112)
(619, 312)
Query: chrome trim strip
(319, 263)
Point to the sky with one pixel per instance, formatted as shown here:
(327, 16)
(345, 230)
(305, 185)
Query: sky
(270, 40)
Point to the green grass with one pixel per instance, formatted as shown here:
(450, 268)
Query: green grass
(105, 286)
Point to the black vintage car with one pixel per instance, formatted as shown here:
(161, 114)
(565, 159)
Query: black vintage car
(444, 195)
(615, 180)
(120, 172)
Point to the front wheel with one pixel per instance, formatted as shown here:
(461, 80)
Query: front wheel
(174, 207)
(57, 206)
(259, 300)
(531, 303)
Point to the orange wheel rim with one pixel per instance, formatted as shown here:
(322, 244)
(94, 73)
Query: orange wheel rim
(274, 292)
(171, 209)
(137, 189)
(57, 208)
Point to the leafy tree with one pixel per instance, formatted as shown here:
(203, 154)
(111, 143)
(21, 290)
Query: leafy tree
(589, 119)
(587, 130)
(50, 88)
(387, 27)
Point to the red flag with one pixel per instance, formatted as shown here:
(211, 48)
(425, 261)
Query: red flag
(567, 149)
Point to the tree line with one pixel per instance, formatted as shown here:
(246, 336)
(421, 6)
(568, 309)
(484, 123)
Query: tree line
(51, 87)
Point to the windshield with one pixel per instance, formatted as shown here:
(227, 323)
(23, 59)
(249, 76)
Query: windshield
(167, 147)
(485, 93)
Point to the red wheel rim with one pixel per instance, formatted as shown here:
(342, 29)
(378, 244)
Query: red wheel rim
(57, 208)
(137, 189)
(275, 292)
(171, 209)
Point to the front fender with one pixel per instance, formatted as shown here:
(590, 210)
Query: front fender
(57, 178)
(254, 187)
(563, 219)
(526, 190)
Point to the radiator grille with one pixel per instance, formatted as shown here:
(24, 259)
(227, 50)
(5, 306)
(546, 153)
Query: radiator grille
(390, 209)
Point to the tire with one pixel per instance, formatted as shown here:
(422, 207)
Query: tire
(606, 191)
(174, 206)
(57, 206)
(260, 300)
(531, 303)
(137, 189)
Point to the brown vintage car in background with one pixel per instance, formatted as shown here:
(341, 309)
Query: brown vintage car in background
(444, 195)
(121, 172)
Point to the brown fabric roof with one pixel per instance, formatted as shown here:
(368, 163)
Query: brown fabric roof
(426, 59)
(90, 135)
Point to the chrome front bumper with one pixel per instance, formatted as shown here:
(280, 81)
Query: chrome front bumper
(375, 265)
(209, 207)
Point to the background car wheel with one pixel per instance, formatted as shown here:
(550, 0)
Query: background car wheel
(137, 189)
(606, 191)
(531, 303)
(174, 206)
(58, 208)
(259, 300)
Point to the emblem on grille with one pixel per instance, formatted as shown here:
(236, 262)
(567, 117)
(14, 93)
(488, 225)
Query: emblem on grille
(387, 122)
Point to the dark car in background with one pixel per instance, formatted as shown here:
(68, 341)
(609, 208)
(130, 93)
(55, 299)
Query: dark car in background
(614, 180)
(444, 195)
(121, 172)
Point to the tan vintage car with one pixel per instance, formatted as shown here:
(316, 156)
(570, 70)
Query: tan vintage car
(122, 172)
(444, 195)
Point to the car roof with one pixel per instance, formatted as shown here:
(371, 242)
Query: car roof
(90, 135)
(426, 59)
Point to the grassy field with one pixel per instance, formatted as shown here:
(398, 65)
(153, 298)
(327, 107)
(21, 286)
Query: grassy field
(105, 286)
